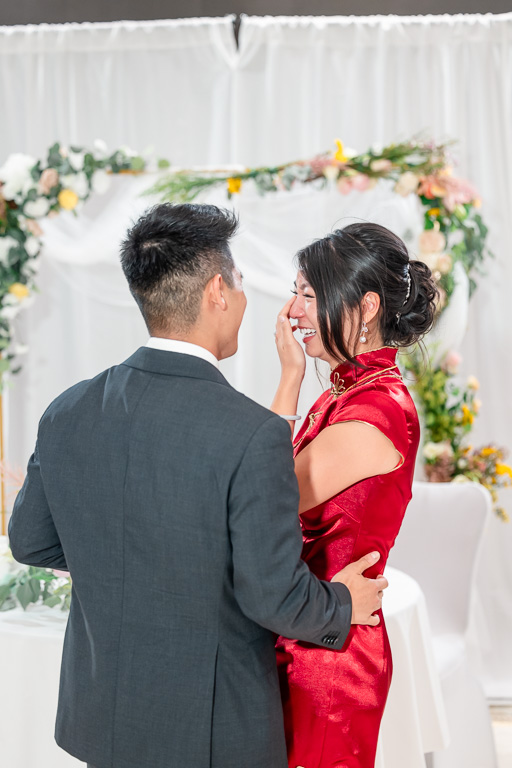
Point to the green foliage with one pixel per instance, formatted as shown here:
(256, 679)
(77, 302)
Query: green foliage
(32, 586)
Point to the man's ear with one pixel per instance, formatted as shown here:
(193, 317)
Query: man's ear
(215, 292)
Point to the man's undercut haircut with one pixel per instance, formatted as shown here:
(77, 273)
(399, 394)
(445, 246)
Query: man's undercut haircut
(170, 255)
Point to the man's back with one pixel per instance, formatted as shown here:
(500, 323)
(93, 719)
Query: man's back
(174, 502)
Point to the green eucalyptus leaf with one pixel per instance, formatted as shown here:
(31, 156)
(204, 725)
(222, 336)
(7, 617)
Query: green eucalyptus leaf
(24, 594)
(52, 601)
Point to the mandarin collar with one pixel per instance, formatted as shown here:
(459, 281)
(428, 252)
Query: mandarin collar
(345, 374)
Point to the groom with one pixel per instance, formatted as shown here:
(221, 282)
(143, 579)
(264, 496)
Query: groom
(171, 498)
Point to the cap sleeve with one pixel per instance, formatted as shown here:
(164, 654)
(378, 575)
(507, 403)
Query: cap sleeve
(379, 410)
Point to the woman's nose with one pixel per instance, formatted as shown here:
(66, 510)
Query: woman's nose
(297, 309)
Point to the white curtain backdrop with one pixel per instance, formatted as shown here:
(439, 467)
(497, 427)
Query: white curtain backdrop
(163, 84)
(295, 85)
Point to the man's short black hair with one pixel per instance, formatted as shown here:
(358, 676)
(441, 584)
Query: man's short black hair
(169, 256)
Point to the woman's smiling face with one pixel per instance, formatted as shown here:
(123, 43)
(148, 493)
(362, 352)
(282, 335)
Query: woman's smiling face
(304, 310)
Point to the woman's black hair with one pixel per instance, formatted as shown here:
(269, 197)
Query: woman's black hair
(348, 263)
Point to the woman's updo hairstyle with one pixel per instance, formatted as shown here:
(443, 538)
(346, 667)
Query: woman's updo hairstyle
(348, 263)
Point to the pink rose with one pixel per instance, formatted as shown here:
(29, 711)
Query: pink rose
(361, 182)
(49, 179)
(345, 185)
(451, 362)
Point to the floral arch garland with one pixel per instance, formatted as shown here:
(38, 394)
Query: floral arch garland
(453, 232)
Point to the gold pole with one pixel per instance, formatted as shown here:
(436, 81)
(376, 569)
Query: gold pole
(3, 511)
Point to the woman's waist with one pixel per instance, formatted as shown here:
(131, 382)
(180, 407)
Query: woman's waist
(330, 553)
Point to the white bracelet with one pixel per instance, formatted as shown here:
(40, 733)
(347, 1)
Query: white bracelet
(290, 418)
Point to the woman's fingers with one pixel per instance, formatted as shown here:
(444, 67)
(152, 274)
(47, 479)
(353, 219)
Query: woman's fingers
(285, 312)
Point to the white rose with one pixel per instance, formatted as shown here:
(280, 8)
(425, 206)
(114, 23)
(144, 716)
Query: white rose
(6, 243)
(10, 312)
(461, 479)
(100, 148)
(100, 182)
(32, 246)
(331, 172)
(128, 151)
(36, 209)
(76, 160)
(434, 450)
(407, 183)
(15, 174)
(77, 182)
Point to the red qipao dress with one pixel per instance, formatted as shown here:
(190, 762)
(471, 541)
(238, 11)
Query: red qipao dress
(333, 700)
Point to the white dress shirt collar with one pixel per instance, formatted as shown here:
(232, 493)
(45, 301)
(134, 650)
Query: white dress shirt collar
(183, 347)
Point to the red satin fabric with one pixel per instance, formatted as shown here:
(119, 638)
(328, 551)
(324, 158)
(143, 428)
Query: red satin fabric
(333, 700)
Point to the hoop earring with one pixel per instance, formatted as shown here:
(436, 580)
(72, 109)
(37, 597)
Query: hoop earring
(364, 331)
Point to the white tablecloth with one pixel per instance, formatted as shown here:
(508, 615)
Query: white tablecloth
(31, 646)
(414, 721)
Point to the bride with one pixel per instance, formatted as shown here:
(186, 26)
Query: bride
(358, 298)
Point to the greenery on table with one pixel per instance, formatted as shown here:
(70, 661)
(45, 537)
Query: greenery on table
(35, 585)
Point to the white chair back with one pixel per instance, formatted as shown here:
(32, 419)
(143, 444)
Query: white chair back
(438, 545)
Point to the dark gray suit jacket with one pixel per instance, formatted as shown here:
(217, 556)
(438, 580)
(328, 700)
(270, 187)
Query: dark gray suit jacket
(172, 500)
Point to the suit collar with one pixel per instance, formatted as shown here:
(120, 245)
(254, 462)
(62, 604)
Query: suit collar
(174, 364)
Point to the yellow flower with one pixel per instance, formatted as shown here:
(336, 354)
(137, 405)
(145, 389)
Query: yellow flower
(467, 416)
(486, 451)
(234, 185)
(477, 203)
(504, 469)
(340, 156)
(68, 199)
(434, 211)
(19, 290)
(473, 383)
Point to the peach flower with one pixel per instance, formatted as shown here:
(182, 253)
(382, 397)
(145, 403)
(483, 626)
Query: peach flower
(49, 179)
(382, 165)
(444, 263)
(33, 227)
(432, 241)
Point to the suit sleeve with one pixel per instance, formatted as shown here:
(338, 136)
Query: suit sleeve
(273, 586)
(32, 534)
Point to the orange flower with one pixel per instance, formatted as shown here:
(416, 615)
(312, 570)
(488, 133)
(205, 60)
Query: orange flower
(430, 187)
